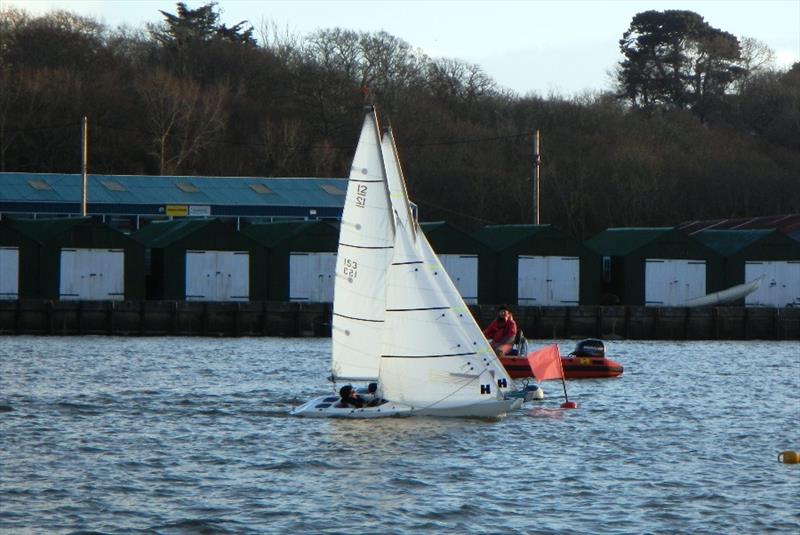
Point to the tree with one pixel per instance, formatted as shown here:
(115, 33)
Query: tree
(182, 116)
(675, 58)
(193, 38)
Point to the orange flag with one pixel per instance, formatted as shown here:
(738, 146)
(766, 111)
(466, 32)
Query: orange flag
(546, 363)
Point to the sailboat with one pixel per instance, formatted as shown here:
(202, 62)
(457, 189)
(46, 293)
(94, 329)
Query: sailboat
(398, 319)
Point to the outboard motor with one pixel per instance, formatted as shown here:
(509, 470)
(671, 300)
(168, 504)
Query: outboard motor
(591, 347)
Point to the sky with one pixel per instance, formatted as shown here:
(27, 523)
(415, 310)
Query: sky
(565, 47)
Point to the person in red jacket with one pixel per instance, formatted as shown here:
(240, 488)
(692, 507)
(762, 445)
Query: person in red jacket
(502, 331)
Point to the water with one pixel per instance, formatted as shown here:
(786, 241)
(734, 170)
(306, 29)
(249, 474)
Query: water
(188, 435)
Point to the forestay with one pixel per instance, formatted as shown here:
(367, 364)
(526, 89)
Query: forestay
(365, 251)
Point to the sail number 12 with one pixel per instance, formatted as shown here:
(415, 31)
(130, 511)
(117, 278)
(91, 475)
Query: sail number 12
(361, 195)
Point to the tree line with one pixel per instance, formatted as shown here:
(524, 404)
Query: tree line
(698, 123)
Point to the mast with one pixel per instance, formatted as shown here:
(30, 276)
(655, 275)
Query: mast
(84, 164)
(537, 159)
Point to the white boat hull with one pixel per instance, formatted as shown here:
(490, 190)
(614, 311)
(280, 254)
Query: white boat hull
(725, 296)
(328, 407)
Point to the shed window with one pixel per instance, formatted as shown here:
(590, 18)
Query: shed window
(40, 185)
(188, 187)
(112, 185)
(260, 188)
(333, 190)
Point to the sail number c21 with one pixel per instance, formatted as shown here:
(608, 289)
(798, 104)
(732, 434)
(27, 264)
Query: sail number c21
(361, 195)
(350, 268)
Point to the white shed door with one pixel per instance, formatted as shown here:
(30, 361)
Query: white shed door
(780, 286)
(9, 273)
(463, 271)
(671, 282)
(92, 274)
(548, 280)
(217, 275)
(311, 277)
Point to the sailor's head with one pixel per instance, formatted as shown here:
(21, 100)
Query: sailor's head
(345, 391)
(503, 312)
(372, 388)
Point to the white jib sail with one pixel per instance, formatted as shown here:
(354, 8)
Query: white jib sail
(365, 251)
(472, 331)
(400, 202)
(427, 361)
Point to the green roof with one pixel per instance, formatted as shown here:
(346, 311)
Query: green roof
(163, 233)
(270, 234)
(624, 240)
(432, 225)
(42, 230)
(500, 237)
(728, 242)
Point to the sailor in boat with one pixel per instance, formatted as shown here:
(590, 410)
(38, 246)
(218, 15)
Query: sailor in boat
(350, 398)
(502, 331)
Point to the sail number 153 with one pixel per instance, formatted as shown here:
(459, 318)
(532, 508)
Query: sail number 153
(350, 268)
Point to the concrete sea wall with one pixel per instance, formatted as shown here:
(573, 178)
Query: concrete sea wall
(268, 318)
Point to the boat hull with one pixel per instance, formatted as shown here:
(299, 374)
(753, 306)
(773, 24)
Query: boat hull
(328, 407)
(574, 367)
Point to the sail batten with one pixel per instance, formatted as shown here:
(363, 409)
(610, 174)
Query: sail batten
(374, 247)
(381, 320)
(421, 309)
(428, 356)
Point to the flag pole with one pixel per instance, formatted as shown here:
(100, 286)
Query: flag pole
(567, 403)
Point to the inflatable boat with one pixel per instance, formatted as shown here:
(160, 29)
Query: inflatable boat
(587, 361)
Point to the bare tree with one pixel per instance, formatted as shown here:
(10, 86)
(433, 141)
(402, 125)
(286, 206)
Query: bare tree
(183, 117)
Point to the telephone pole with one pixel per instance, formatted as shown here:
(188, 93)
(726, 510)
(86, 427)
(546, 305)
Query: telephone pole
(537, 160)
(84, 164)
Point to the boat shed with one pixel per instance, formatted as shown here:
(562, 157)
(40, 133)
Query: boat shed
(128, 202)
(19, 264)
(201, 260)
(752, 254)
(459, 254)
(655, 266)
(77, 259)
(301, 259)
(536, 265)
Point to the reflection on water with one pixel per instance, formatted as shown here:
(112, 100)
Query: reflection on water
(177, 435)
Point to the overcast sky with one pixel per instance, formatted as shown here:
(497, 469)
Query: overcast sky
(561, 46)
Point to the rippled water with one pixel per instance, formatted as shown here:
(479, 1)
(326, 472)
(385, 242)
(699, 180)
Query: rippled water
(188, 435)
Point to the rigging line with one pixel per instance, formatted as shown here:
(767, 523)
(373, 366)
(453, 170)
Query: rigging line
(445, 142)
(454, 212)
(42, 128)
(457, 390)
(468, 140)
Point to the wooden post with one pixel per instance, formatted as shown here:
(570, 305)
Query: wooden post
(84, 165)
(537, 159)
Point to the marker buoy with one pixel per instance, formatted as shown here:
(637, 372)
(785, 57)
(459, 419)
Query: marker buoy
(573, 405)
(789, 457)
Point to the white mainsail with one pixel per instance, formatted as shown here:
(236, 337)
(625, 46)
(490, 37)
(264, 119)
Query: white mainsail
(366, 241)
